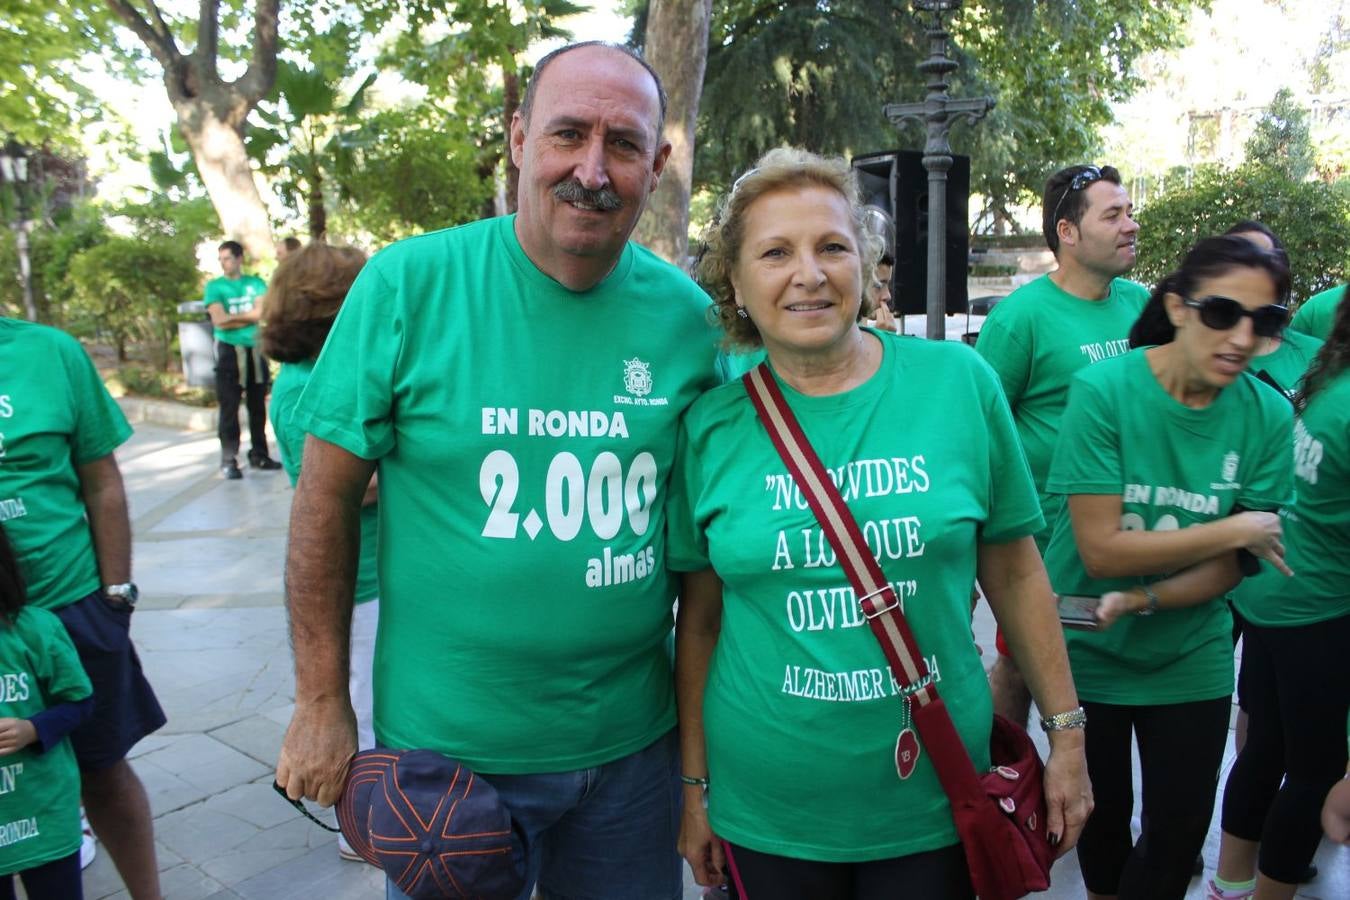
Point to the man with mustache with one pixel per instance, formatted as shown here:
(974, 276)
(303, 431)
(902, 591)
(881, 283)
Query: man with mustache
(518, 383)
(1038, 336)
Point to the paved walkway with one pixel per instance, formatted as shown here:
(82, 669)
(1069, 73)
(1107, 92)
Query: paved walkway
(211, 631)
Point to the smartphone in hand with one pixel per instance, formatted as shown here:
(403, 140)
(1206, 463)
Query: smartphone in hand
(1076, 611)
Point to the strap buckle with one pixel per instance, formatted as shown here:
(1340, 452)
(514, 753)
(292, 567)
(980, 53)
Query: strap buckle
(877, 611)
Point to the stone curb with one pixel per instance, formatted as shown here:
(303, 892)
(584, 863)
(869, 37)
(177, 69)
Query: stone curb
(168, 414)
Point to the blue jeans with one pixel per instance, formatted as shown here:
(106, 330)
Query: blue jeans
(604, 833)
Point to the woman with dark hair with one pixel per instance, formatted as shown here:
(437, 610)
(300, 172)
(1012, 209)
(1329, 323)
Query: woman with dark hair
(1160, 452)
(1296, 636)
(1281, 359)
(302, 301)
(45, 694)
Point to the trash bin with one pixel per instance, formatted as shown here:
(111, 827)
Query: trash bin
(197, 344)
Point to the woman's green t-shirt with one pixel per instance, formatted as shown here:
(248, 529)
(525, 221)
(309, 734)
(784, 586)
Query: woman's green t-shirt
(1173, 467)
(801, 711)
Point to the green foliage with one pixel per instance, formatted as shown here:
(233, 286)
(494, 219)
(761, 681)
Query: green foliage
(1312, 221)
(131, 288)
(52, 245)
(43, 100)
(403, 174)
(1281, 139)
(817, 75)
(160, 384)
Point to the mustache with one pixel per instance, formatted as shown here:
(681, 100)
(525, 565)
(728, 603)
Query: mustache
(574, 191)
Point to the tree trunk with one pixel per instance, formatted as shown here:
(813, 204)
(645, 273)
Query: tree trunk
(211, 112)
(677, 48)
(510, 103)
(318, 215)
(218, 150)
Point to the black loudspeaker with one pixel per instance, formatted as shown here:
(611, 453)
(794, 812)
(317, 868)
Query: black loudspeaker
(896, 182)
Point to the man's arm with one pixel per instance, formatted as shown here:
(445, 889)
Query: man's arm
(230, 321)
(105, 503)
(321, 561)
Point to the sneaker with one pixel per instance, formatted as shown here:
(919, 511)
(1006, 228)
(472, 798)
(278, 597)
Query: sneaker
(266, 463)
(230, 471)
(346, 852)
(88, 849)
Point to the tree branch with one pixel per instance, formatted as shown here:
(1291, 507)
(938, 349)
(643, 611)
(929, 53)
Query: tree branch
(208, 38)
(159, 42)
(257, 81)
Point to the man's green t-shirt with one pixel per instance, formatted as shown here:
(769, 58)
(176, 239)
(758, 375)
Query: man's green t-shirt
(1173, 467)
(39, 791)
(55, 415)
(286, 390)
(525, 435)
(801, 712)
(237, 295)
(1316, 526)
(1037, 338)
(1287, 365)
(1316, 314)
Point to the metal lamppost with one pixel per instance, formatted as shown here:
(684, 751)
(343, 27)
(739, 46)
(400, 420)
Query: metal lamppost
(938, 112)
(14, 167)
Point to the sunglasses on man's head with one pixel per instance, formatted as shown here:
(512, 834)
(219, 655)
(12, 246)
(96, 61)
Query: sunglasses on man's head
(1089, 175)
(1223, 313)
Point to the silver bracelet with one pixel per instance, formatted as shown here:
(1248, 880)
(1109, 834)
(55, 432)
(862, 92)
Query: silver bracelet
(1074, 718)
(1152, 601)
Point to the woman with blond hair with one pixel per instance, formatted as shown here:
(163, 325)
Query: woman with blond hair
(788, 711)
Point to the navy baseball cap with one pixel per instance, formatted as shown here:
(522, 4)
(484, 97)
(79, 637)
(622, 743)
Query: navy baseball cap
(434, 827)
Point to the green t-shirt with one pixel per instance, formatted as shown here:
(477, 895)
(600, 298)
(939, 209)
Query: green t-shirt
(1037, 338)
(1173, 467)
(1287, 365)
(237, 295)
(1316, 526)
(286, 390)
(800, 711)
(39, 792)
(55, 415)
(525, 435)
(1316, 314)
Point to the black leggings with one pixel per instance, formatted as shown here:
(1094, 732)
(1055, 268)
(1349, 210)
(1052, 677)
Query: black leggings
(935, 875)
(1180, 751)
(1297, 694)
(58, 878)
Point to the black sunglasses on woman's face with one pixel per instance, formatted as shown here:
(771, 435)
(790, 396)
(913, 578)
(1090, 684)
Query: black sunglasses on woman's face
(1223, 313)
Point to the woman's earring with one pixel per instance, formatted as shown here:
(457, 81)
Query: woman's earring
(740, 311)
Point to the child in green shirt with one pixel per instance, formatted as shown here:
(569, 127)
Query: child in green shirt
(44, 694)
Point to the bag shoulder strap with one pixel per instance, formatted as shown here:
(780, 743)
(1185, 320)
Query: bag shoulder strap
(878, 599)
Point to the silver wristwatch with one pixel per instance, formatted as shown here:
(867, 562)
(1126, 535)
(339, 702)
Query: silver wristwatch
(122, 594)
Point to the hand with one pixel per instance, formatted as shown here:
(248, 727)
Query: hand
(1262, 533)
(699, 845)
(884, 318)
(319, 743)
(1068, 792)
(1116, 604)
(1336, 812)
(15, 734)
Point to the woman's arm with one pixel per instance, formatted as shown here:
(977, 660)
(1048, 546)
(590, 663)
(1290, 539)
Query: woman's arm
(1189, 587)
(1108, 551)
(1014, 582)
(698, 621)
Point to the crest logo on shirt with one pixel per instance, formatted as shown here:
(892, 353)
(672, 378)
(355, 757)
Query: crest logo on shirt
(637, 377)
(1230, 466)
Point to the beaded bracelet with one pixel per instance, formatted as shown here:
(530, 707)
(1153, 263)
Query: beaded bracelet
(689, 779)
(1074, 718)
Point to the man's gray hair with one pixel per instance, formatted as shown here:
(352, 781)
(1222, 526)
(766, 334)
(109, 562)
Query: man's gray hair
(528, 102)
